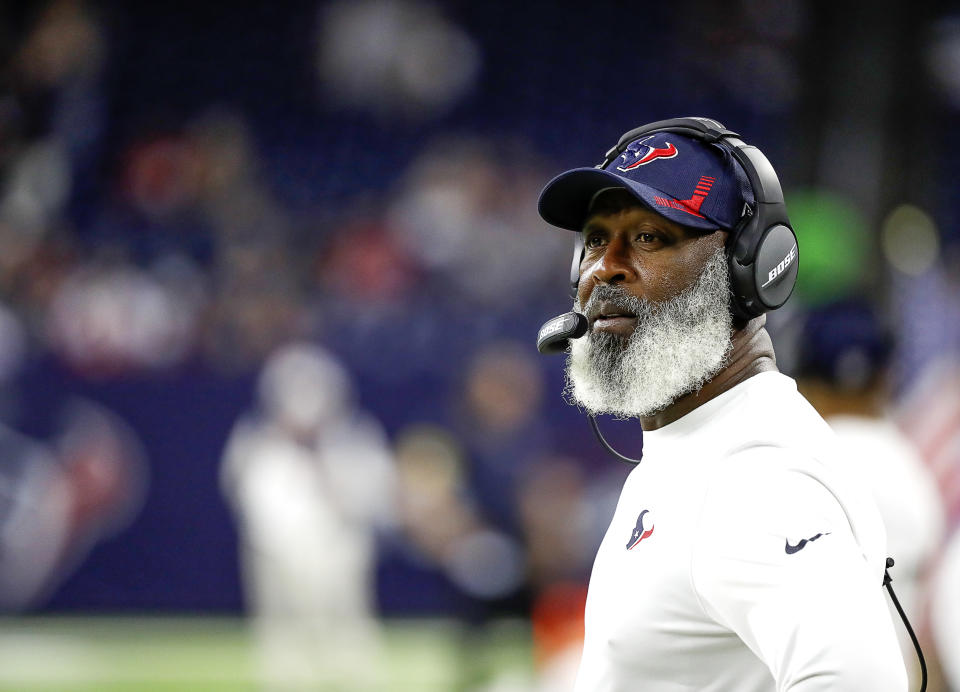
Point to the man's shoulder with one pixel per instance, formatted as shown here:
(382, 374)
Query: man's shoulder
(766, 410)
(774, 395)
(777, 440)
(782, 459)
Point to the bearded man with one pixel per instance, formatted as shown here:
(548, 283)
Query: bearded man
(740, 557)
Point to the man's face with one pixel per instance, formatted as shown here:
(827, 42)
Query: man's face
(656, 296)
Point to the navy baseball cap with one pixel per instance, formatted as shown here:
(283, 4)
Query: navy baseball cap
(686, 180)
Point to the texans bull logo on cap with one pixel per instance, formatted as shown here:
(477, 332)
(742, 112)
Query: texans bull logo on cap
(640, 153)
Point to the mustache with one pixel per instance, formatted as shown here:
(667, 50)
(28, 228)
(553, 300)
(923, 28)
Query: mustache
(615, 296)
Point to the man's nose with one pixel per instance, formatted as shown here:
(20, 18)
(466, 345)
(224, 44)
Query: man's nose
(615, 265)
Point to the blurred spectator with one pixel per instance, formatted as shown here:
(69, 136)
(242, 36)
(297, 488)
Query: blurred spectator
(466, 208)
(198, 198)
(843, 359)
(52, 114)
(311, 479)
(500, 426)
(256, 306)
(364, 267)
(259, 269)
(56, 112)
(111, 318)
(435, 509)
(446, 539)
(394, 57)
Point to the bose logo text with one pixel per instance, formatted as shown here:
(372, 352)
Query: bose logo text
(552, 327)
(784, 263)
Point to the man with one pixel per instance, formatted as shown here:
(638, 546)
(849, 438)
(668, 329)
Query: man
(739, 557)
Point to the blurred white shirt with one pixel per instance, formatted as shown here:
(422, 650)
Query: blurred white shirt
(878, 455)
(945, 613)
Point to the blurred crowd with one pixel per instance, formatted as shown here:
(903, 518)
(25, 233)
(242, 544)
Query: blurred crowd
(394, 445)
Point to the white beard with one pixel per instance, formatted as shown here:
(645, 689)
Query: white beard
(677, 347)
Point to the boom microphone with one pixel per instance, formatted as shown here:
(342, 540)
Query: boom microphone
(555, 335)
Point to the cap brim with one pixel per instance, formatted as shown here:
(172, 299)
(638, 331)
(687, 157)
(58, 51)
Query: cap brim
(565, 200)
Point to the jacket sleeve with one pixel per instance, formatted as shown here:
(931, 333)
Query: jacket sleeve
(776, 562)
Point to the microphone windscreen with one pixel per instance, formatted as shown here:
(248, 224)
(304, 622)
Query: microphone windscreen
(555, 334)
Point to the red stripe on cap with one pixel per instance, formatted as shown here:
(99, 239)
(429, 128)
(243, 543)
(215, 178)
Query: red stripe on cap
(692, 205)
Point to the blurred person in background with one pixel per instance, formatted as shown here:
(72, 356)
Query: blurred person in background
(468, 202)
(211, 231)
(945, 611)
(555, 505)
(465, 565)
(739, 538)
(499, 423)
(52, 123)
(311, 479)
(842, 370)
(396, 59)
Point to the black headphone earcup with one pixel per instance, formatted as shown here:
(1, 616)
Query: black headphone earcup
(775, 269)
(764, 279)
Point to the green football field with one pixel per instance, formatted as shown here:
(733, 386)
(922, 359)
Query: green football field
(149, 654)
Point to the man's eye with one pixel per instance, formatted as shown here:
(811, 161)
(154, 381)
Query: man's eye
(646, 237)
(593, 241)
